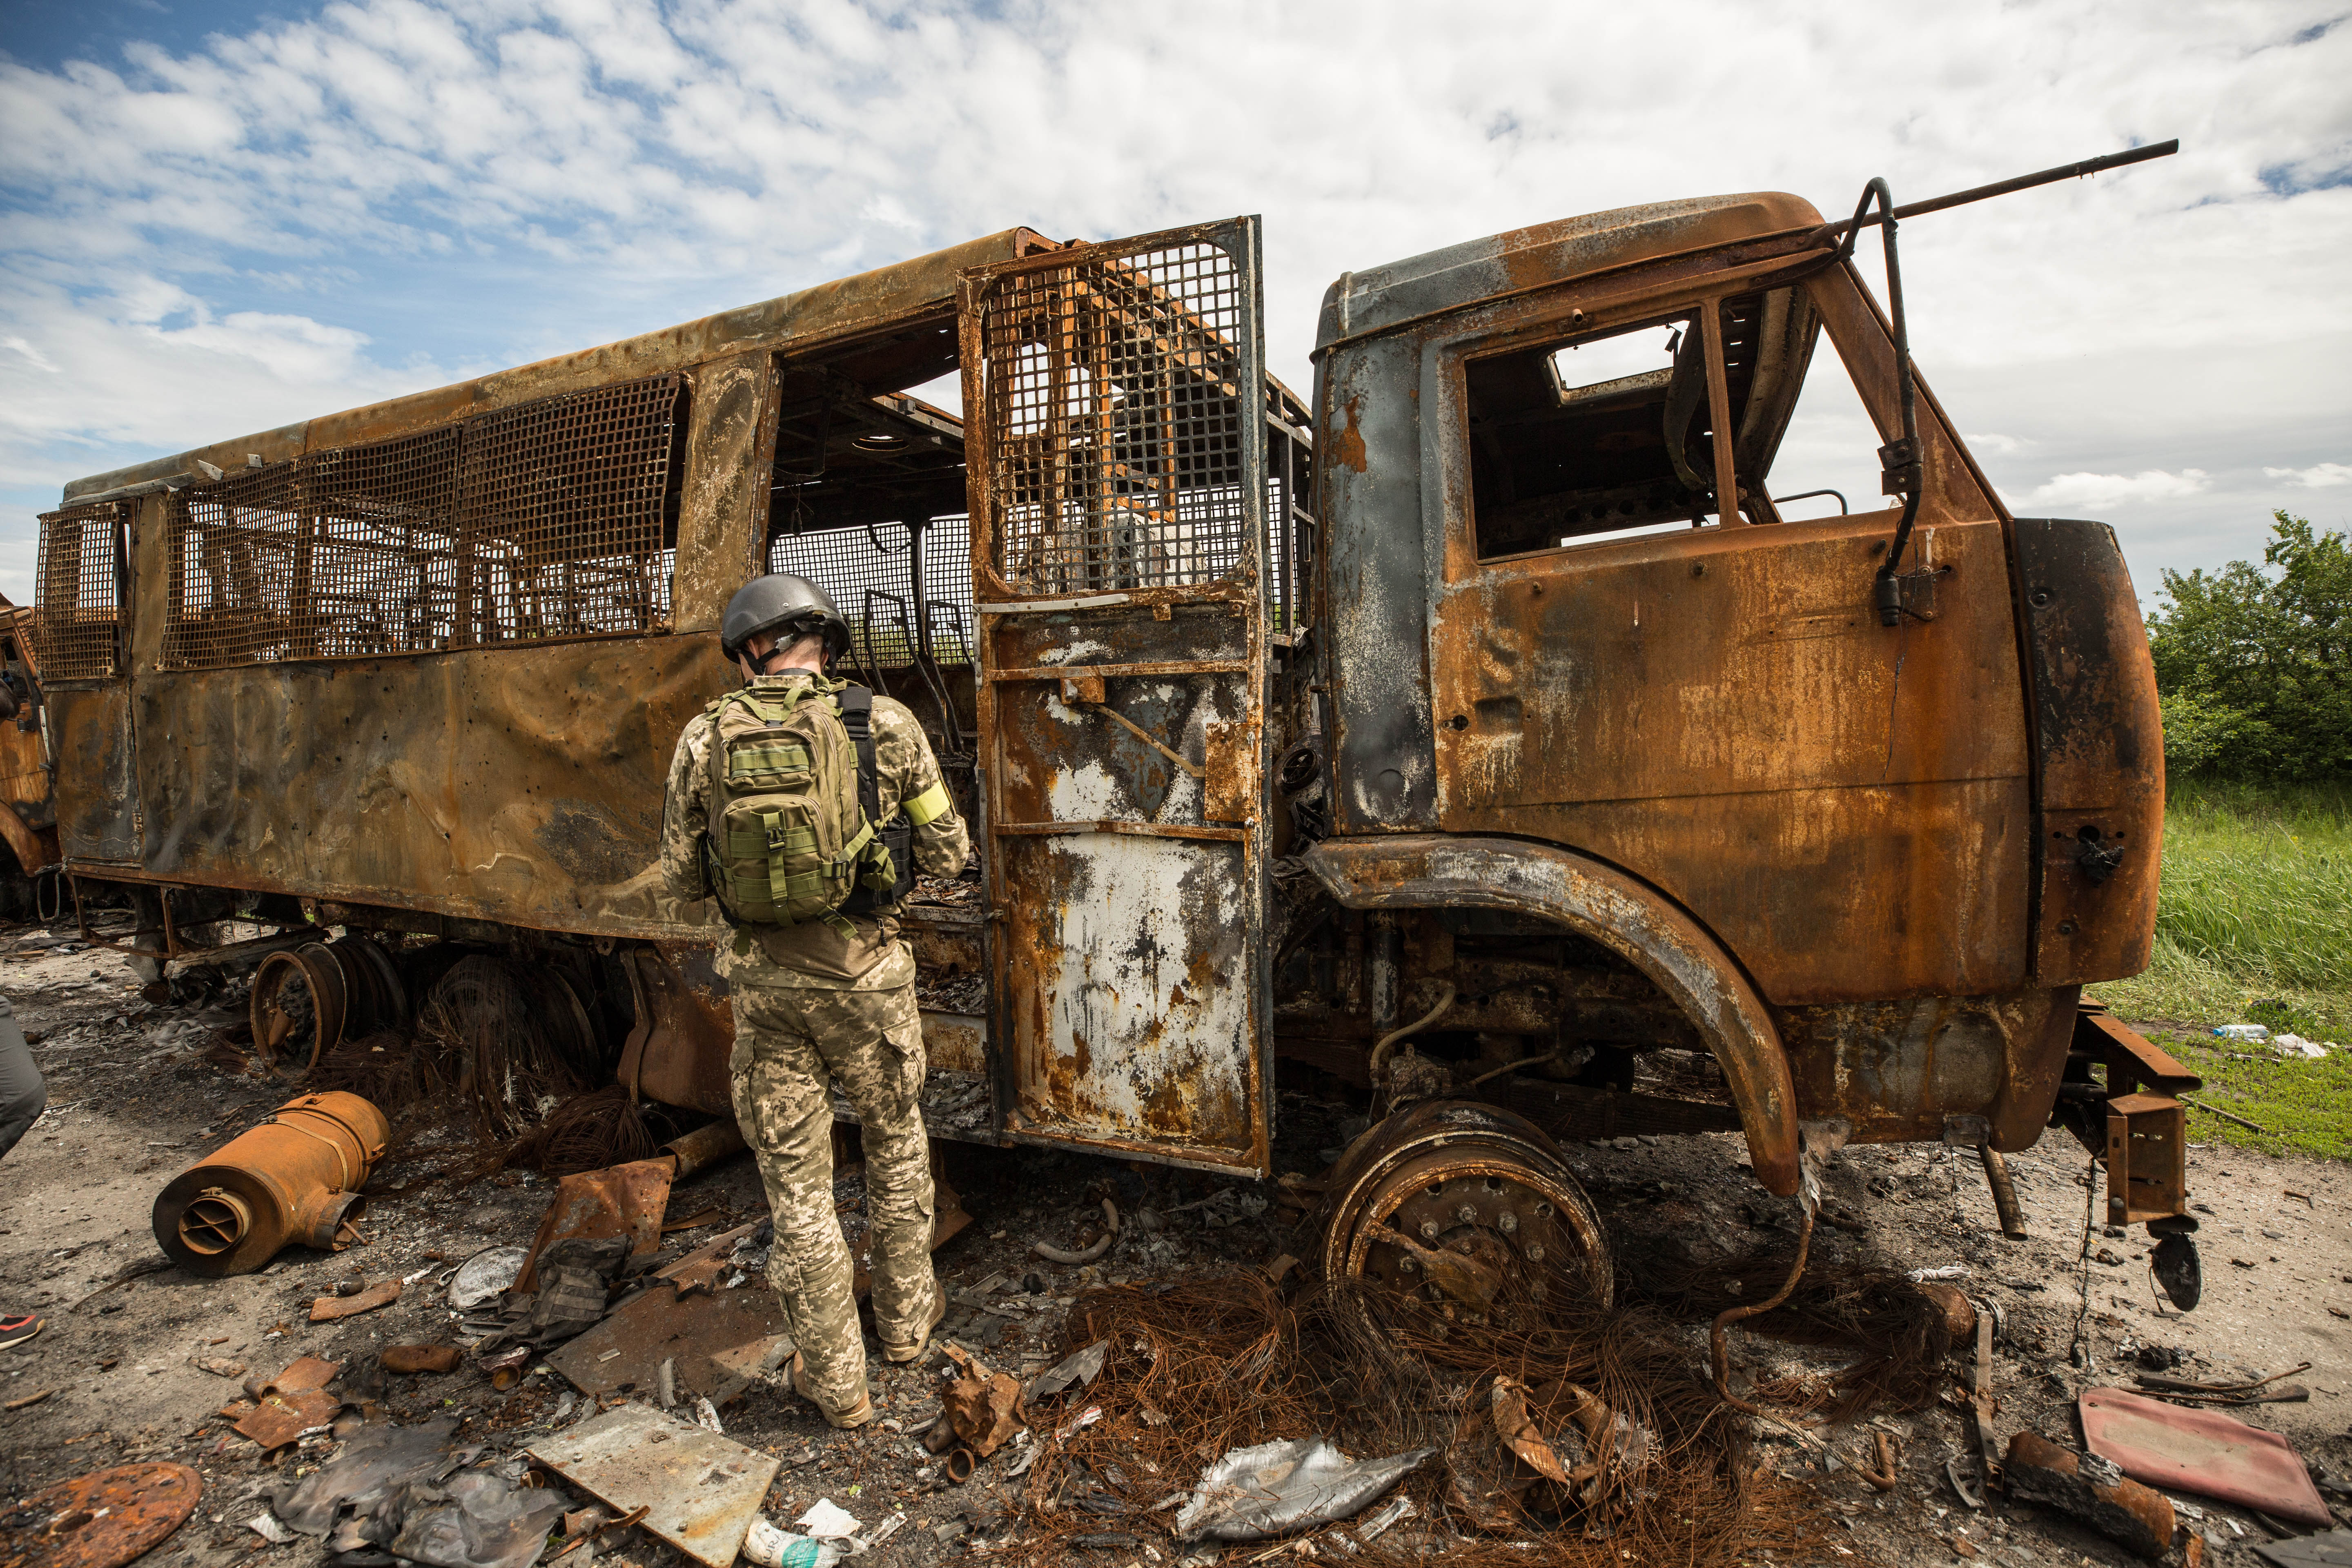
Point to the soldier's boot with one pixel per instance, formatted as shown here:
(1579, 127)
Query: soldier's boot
(901, 1354)
(858, 1416)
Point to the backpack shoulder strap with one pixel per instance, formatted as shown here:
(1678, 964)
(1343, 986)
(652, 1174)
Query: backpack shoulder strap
(857, 706)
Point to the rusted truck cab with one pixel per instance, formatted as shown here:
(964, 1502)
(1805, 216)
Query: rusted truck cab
(1636, 809)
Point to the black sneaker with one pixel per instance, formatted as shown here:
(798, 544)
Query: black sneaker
(17, 1329)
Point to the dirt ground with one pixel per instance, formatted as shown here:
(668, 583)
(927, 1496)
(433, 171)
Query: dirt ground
(134, 1099)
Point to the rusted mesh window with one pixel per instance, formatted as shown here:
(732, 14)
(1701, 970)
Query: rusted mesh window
(79, 597)
(553, 519)
(568, 527)
(233, 558)
(870, 572)
(1116, 408)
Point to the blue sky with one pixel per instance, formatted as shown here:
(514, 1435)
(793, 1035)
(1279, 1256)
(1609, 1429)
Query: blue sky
(219, 218)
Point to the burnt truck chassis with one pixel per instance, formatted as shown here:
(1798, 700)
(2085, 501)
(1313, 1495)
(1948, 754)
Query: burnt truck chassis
(1254, 780)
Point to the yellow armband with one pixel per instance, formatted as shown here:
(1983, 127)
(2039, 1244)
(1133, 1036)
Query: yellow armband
(928, 806)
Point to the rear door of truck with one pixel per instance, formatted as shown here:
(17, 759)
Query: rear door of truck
(1114, 395)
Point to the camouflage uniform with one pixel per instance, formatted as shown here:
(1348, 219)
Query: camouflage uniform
(817, 1006)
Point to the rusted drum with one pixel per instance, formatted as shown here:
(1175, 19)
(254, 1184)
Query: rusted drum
(300, 1001)
(293, 1178)
(1458, 1204)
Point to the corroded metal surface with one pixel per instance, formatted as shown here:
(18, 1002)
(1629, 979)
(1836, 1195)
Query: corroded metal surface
(293, 1178)
(2100, 829)
(1605, 905)
(1117, 468)
(106, 1518)
(1453, 1203)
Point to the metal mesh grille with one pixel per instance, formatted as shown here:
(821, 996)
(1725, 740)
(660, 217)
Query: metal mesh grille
(549, 519)
(1116, 412)
(78, 613)
(870, 574)
(564, 512)
(233, 547)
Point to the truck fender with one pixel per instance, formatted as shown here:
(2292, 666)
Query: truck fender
(1657, 936)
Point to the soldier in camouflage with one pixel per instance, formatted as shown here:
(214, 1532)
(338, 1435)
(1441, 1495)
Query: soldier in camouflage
(822, 1004)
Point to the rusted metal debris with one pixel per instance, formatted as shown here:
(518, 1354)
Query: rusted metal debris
(699, 1490)
(382, 1293)
(106, 1518)
(982, 1409)
(1448, 1201)
(619, 1201)
(410, 1360)
(2094, 1490)
(295, 1178)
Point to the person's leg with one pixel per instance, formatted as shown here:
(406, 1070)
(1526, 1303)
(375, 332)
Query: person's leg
(872, 1042)
(23, 1095)
(785, 1108)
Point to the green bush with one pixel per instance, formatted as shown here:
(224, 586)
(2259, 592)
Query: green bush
(2255, 663)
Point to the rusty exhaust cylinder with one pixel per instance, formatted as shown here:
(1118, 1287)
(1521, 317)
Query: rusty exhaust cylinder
(292, 1179)
(1454, 1198)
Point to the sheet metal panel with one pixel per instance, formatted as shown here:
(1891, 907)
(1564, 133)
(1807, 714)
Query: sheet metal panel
(1119, 488)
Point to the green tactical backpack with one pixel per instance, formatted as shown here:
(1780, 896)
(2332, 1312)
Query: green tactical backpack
(792, 795)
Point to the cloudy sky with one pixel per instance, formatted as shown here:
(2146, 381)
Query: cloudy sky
(220, 217)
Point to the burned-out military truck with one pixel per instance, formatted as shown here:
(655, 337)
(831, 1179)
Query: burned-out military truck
(1488, 734)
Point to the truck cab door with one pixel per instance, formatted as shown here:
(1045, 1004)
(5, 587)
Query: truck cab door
(1115, 396)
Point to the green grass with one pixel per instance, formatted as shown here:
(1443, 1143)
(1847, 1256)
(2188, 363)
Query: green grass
(2253, 924)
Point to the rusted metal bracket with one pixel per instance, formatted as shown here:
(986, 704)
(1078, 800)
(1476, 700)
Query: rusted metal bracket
(2143, 1139)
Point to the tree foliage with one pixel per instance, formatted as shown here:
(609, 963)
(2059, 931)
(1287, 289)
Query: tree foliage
(2255, 663)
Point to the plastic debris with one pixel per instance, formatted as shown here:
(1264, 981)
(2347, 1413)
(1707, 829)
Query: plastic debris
(828, 1520)
(769, 1547)
(2242, 1032)
(1941, 1271)
(486, 1276)
(2295, 1047)
(265, 1524)
(1273, 1489)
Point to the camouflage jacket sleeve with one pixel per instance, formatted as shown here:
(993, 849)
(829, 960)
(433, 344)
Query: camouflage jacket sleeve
(908, 776)
(686, 811)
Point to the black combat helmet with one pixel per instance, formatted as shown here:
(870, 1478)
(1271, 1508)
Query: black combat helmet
(776, 604)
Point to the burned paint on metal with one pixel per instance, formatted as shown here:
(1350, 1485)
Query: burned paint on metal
(1603, 904)
(2100, 830)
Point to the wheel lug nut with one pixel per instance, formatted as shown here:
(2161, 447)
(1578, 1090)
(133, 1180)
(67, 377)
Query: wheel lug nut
(1535, 1252)
(1466, 1214)
(1429, 1230)
(1509, 1222)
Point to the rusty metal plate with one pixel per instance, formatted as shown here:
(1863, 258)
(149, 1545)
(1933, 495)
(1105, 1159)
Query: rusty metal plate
(1118, 482)
(719, 1339)
(109, 1517)
(619, 1200)
(2200, 1451)
(701, 1491)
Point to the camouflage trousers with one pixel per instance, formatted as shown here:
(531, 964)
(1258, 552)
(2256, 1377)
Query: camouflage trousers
(791, 1043)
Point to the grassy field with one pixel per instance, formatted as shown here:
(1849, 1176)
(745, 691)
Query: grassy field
(2255, 925)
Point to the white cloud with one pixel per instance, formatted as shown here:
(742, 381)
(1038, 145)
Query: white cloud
(2318, 477)
(312, 214)
(2104, 492)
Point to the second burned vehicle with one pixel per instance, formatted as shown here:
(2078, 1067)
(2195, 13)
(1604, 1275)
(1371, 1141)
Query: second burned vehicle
(1483, 732)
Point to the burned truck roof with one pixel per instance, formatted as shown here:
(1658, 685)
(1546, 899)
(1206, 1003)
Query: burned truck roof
(841, 309)
(1478, 271)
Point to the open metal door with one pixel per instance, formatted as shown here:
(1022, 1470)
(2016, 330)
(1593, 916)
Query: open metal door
(1115, 398)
